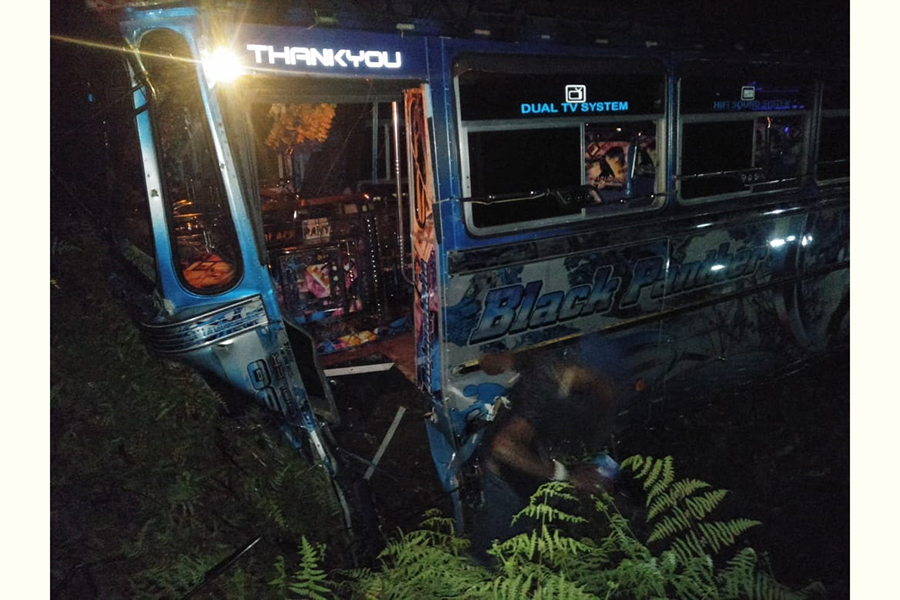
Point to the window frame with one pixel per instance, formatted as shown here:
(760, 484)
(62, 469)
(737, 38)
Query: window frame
(580, 122)
(215, 174)
(683, 119)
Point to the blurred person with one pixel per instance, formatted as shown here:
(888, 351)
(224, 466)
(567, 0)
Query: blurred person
(561, 406)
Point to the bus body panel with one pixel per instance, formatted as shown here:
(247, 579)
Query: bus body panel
(684, 301)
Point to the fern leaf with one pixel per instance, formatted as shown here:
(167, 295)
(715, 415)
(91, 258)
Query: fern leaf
(637, 464)
(557, 587)
(736, 581)
(699, 507)
(662, 475)
(764, 587)
(675, 522)
(310, 581)
(512, 588)
(688, 547)
(719, 534)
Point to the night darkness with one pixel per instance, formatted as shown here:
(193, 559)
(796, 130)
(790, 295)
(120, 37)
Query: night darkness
(811, 28)
(800, 490)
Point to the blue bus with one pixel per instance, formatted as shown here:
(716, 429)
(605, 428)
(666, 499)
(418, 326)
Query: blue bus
(319, 196)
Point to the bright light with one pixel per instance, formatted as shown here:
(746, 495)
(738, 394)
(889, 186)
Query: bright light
(791, 238)
(806, 240)
(717, 267)
(222, 66)
(777, 243)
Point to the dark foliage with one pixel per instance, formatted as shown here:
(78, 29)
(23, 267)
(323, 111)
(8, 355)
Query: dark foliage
(152, 484)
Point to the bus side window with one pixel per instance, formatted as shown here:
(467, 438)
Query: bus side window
(741, 136)
(552, 141)
(202, 234)
(833, 161)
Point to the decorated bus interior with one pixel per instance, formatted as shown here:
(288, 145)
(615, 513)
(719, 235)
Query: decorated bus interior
(321, 164)
(330, 161)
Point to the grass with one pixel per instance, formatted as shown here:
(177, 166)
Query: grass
(152, 482)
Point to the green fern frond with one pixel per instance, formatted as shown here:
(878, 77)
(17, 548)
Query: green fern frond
(766, 588)
(674, 522)
(544, 513)
(688, 547)
(638, 464)
(434, 520)
(735, 579)
(677, 491)
(557, 587)
(274, 512)
(719, 534)
(553, 490)
(661, 475)
(310, 581)
(509, 588)
(692, 577)
(741, 580)
(700, 507)
(640, 579)
(280, 581)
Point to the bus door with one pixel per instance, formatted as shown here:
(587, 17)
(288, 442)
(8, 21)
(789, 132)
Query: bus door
(323, 120)
(212, 304)
(274, 204)
(332, 202)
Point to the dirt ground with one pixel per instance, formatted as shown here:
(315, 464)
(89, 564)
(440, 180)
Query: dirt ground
(783, 449)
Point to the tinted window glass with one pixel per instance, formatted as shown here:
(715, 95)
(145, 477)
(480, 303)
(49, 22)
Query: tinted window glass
(522, 162)
(717, 150)
(201, 228)
(503, 162)
(834, 148)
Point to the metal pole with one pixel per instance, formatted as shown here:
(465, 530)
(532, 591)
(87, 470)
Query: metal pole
(375, 142)
(400, 235)
(385, 442)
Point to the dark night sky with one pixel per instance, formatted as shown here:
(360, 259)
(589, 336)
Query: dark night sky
(819, 26)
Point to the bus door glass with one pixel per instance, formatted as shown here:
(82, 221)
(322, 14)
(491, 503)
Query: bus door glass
(202, 240)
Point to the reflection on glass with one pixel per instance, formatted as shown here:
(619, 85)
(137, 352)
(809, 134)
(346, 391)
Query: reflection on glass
(741, 155)
(620, 161)
(834, 148)
(778, 146)
(203, 236)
